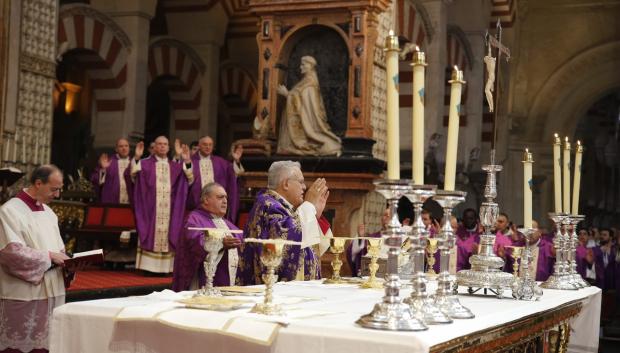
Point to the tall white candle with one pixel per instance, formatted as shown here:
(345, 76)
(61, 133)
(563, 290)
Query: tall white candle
(393, 143)
(419, 64)
(577, 178)
(557, 173)
(527, 189)
(453, 128)
(566, 177)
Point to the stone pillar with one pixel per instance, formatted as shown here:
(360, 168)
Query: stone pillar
(435, 72)
(209, 52)
(134, 18)
(470, 135)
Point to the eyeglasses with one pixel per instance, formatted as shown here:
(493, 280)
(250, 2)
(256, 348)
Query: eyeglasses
(300, 181)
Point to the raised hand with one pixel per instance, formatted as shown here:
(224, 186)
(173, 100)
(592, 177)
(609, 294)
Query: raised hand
(320, 206)
(237, 153)
(178, 148)
(282, 90)
(104, 161)
(139, 150)
(185, 153)
(313, 193)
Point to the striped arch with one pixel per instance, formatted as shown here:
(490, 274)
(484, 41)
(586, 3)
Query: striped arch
(106, 47)
(181, 69)
(459, 54)
(412, 26)
(235, 81)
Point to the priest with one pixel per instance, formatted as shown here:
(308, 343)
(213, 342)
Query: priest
(108, 178)
(159, 195)
(31, 263)
(467, 239)
(189, 273)
(208, 168)
(286, 211)
(543, 257)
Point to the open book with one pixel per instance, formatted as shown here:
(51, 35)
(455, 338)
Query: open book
(91, 257)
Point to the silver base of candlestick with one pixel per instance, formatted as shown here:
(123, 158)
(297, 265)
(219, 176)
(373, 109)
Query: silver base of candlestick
(392, 313)
(444, 297)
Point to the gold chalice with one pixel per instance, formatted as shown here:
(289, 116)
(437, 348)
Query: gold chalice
(270, 257)
(336, 247)
(516, 255)
(374, 248)
(430, 257)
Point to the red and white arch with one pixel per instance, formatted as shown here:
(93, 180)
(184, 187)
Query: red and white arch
(456, 51)
(105, 48)
(180, 69)
(412, 27)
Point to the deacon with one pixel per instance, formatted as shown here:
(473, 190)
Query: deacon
(31, 263)
(284, 212)
(159, 194)
(189, 273)
(108, 178)
(208, 168)
(467, 239)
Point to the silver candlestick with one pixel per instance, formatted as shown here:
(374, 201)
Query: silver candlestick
(575, 277)
(444, 297)
(485, 270)
(423, 306)
(560, 279)
(391, 313)
(525, 287)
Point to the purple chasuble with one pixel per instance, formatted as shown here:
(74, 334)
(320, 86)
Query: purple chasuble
(190, 253)
(546, 260)
(356, 262)
(580, 258)
(223, 174)
(604, 274)
(272, 217)
(110, 191)
(465, 239)
(144, 201)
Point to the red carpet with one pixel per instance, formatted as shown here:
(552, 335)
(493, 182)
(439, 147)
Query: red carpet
(89, 280)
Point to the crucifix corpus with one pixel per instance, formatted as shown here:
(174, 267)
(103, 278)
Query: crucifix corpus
(490, 62)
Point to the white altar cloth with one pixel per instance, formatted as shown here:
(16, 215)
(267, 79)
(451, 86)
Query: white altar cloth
(323, 320)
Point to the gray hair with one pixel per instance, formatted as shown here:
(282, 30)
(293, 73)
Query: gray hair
(280, 171)
(208, 189)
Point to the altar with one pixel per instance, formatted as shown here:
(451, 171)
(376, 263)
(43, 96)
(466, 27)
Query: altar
(321, 318)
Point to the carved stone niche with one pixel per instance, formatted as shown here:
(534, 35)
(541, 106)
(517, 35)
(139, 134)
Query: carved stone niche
(341, 36)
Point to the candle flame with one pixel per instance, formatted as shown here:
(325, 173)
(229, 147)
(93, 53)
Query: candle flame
(566, 139)
(456, 68)
(391, 32)
(556, 135)
(527, 150)
(578, 143)
(417, 48)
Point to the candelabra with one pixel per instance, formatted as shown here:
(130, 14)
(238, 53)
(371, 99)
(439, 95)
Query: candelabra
(560, 278)
(423, 306)
(575, 277)
(391, 313)
(525, 288)
(444, 297)
(485, 270)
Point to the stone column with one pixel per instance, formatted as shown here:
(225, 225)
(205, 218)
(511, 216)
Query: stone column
(209, 52)
(134, 18)
(471, 134)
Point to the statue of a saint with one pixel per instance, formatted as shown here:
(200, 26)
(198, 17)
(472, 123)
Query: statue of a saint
(489, 61)
(304, 129)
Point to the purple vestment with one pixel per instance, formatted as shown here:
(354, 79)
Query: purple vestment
(604, 274)
(223, 174)
(501, 240)
(356, 262)
(465, 239)
(144, 201)
(109, 192)
(190, 253)
(580, 258)
(272, 217)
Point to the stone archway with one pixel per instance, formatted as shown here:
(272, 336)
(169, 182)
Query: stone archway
(571, 90)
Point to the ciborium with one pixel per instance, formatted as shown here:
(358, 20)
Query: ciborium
(525, 288)
(336, 247)
(374, 248)
(391, 313)
(445, 298)
(431, 249)
(270, 257)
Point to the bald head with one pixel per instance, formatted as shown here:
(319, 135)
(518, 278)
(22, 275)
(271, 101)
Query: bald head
(161, 147)
(205, 146)
(122, 147)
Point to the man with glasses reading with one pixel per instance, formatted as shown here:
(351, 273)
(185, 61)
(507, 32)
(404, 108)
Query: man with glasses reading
(288, 211)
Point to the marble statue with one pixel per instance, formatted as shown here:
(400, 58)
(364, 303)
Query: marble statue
(304, 129)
